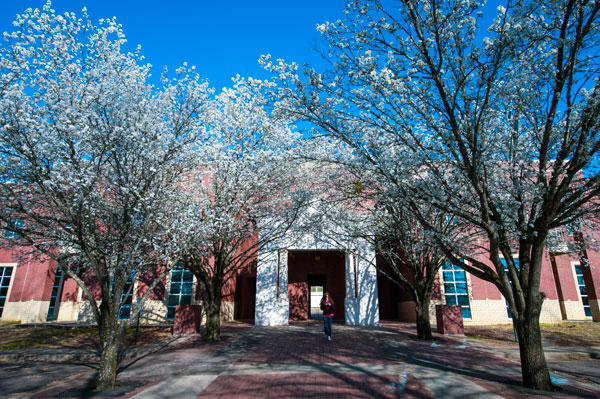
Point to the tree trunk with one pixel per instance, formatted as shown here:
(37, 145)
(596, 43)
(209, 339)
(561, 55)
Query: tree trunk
(423, 322)
(212, 332)
(533, 363)
(109, 339)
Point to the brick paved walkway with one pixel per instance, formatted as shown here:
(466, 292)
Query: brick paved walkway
(298, 362)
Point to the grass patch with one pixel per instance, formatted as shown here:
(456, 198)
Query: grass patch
(565, 334)
(9, 322)
(15, 336)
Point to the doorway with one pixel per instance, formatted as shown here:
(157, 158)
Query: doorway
(310, 274)
(316, 287)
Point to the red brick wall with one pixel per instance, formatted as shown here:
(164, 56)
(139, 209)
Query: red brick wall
(33, 277)
(481, 289)
(565, 277)
(70, 290)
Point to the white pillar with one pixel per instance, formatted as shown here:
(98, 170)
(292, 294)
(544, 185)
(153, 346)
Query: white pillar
(361, 303)
(272, 303)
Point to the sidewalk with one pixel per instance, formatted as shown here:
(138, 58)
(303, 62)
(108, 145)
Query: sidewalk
(298, 362)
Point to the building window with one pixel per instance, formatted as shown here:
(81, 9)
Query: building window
(180, 292)
(126, 298)
(455, 288)
(583, 291)
(17, 223)
(55, 298)
(5, 274)
(503, 261)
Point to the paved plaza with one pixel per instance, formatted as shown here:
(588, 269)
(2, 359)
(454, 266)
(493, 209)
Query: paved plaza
(298, 362)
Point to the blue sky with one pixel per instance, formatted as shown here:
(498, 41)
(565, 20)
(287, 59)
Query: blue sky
(222, 38)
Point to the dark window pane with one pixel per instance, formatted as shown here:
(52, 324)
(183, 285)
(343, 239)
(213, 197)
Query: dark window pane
(583, 290)
(124, 312)
(176, 275)
(173, 300)
(186, 300)
(449, 288)
(170, 313)
(580, 280)
(466, 313)
(6, 281)
(450, 299)
(175, 288)
(460, 276)
(463, 300)
(448, 276)
(186, 289)
(188, 276)
(461, 288)
(585, 300)
(588, 312)
(3, 291)
(578, 269)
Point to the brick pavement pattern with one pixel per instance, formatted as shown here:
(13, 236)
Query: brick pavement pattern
(298, 362)
(312, 385)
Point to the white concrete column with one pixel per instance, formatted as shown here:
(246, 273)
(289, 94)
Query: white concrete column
(272, 303)
(351, 303)
(362, 303)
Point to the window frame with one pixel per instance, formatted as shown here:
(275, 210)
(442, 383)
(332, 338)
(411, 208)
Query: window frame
(10, 283)
(574, 266)
(179, 294)
(453, 269)
(10, 234)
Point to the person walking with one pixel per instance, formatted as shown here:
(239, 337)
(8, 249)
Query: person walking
(328, 308)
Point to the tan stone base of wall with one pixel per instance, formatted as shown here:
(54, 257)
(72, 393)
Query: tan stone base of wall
(26, 312)
(574, 310)
(407, 312)
(488, 311)
(227, 312)
(494, 312)
(154, 312)
(68, 311)
(551, 311)
(84, 312)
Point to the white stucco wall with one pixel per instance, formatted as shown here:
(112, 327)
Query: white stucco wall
(272, 307)
(361, 302)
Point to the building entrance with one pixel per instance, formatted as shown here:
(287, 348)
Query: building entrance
(317, 285)
(310, 274)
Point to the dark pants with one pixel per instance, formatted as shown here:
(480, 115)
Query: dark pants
(327, 325)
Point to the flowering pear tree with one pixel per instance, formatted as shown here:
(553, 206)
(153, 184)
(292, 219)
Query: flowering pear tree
(497, 126)
(246, 192)
(360, 203)
(90, 156)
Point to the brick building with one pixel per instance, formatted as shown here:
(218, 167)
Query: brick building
(287, 284)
